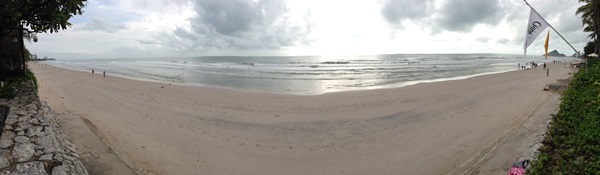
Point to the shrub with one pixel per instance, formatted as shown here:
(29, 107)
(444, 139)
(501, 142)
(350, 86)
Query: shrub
(572, 145)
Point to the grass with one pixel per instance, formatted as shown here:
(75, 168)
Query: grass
(572, 145)
(11, 83)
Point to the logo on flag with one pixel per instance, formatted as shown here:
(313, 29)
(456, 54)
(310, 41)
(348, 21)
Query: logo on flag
(535, 26)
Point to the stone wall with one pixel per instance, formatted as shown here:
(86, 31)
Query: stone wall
(32, 141)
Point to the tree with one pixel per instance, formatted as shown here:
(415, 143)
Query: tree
(590, 19)
(589, 48)
(586, 18)
(37, 15)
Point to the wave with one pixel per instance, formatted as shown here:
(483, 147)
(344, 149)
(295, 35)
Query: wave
(304, 74)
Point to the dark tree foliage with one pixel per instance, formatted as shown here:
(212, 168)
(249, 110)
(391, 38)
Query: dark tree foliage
(587, 17)
(589, 48)
(37, 15)
(590, 18)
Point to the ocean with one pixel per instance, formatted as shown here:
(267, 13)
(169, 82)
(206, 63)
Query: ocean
(305, 75)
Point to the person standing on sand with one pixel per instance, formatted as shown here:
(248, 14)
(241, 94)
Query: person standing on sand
(104, 74)
(547, 71)
(92, 71)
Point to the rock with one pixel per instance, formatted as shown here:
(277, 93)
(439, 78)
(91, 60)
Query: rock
(23, 151)
(70, 158)
(59, 170)
(34, 130)
(7, 135)
(4, 162)
(24, 118)
(46, 157)
(6, 140)
(31, 107)
(47, 129)
(10, 120)
(71, 148)
(32, 141)
(22, 139)
(38, 153)
(5, 143)
(34, 121)
(58, 157)
(31, 168)
(48, 143)
(23, 125)
(555, 87)
(19, 112)
(45, 119)
(5, 151)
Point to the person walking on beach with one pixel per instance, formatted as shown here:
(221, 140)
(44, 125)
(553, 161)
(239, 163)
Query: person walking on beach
(547, 71)
(92, 71)
(104, 74)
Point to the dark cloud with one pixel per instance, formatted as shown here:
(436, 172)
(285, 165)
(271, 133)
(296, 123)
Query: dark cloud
(98, 24)
(462, 15)
(395, 11)
(230, 16)
(240, 24)
(450, 15)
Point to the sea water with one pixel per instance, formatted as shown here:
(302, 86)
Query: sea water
(305, 74)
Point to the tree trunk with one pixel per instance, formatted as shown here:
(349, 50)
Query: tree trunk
(595, 21)
(21, 49)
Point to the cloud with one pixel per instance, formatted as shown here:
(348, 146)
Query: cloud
(228, 17)
(239, 24)
(462, 15)
(395, 11)
(503, 41)
(449, 15)
(103, 25)
(483, 39)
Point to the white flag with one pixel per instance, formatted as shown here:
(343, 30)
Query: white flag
(535, 26)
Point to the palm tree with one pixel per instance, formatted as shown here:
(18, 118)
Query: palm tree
(590, 19)
(586, 18)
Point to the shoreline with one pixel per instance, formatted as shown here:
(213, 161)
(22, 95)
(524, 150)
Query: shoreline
(180, 130)
(305, 93)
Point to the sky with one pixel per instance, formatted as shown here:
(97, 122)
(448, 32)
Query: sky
(187, 28)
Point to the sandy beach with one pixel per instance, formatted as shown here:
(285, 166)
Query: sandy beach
(429, 128)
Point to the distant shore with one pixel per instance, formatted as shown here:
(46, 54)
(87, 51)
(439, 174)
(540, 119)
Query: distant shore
(427, 128)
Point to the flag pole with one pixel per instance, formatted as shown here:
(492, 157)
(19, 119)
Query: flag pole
(576, 52)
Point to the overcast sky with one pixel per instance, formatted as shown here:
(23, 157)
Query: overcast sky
(184, 28)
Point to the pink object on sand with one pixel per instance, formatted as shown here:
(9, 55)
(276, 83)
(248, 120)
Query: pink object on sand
(518, 168)
(516, 171)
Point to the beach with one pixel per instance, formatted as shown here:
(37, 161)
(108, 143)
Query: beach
(160, 128)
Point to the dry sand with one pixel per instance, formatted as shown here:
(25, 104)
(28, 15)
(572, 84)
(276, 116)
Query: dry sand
(430, 128)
